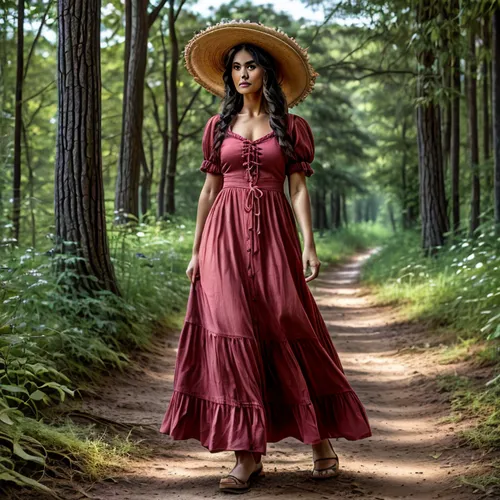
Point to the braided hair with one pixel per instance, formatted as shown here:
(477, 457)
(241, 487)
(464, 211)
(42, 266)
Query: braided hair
(274, 100)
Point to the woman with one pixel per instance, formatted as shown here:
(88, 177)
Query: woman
(255, 362)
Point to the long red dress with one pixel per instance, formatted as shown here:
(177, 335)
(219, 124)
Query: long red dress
(255, 361)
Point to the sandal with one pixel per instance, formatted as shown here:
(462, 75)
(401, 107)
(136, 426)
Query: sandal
(327, 472)
(238, 485)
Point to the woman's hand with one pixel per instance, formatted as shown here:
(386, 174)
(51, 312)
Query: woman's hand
(192, 270)
(309, 258)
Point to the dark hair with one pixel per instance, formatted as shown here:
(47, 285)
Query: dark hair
(274, 99)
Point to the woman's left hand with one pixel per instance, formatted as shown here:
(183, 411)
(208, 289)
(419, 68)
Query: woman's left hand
(309, 258)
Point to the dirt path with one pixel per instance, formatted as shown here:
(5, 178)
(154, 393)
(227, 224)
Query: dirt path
(398, 391)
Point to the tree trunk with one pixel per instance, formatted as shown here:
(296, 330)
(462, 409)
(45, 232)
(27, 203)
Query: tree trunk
(495, 83)
(338, 211)
(31, 186)
(332, 210)
(473, 131)
(391, 217)
(79, 194)
(486, 72)
(455, 146)
(447, 117)
(320, 196)
(164, 131)
(147, 179)
(129, 167)
(404, 183)
(486, 92)
(173, 114)
(16, 191)
(345, 215)
(432, 192)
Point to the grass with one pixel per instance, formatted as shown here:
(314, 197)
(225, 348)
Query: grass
(335, 246)
(459, 289)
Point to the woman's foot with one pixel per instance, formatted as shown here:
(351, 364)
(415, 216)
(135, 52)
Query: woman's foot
(238, 480)
(326, 461)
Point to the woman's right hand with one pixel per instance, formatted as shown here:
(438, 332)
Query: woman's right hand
(193, 268)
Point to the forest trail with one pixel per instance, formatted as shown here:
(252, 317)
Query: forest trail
(410, 455)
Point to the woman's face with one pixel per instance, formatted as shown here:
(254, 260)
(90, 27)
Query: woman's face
(246, 71)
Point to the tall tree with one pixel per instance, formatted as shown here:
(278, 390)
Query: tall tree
(131, 149)
(455, 144)
(173, 114)
(495, 83)
(18, 125)
(79, 197)
(432, 192)
(473, 129)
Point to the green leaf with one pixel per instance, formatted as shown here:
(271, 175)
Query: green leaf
(19, 451)
(13, 388)
(6, 419)
(38, 395)
(21, 480)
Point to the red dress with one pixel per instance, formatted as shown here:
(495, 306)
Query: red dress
(255, 361)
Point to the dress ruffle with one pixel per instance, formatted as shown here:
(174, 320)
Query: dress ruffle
(210, 167)
(242, 393)
(301, 166)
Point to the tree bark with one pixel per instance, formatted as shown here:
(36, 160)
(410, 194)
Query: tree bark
(147, 179)
(487, 133)
(404, 182)
(127, 184)
(495, 83)
(473, 132)
(16, 187)
(79, 194)
(173, 114)
(345, 215)
(164, 132)
(432, 192)
(455, 146)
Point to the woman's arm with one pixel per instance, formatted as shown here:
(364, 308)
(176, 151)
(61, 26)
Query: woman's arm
(209, 191)
(301, 204)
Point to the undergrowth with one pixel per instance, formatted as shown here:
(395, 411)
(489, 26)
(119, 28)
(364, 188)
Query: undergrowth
(52, 341)
(334, 246)
(458, 288)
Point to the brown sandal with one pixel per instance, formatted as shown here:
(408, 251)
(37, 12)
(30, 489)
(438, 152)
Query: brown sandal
(238, 485)
(327, 472)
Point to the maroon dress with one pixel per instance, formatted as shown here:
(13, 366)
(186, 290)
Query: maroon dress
(255, 361)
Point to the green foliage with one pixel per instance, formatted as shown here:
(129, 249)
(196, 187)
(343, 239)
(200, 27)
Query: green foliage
(459, 287)
(52, 339)
(335, 246)
(470, 401)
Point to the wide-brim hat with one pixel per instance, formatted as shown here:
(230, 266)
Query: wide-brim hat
(204, 57)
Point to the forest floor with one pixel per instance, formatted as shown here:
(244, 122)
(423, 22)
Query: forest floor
(413, 453)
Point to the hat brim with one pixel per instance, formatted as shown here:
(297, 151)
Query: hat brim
(204, 57)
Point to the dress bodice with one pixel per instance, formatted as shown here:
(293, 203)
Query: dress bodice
(263, 156)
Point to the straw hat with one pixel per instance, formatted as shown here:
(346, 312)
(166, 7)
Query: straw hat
(204, 57)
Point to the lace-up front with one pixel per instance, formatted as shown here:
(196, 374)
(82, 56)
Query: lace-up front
(254, 185)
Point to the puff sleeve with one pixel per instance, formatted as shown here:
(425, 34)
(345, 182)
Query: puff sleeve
(303, 144)
(208, 165)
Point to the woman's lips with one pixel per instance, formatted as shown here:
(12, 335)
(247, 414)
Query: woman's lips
(244, 84)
